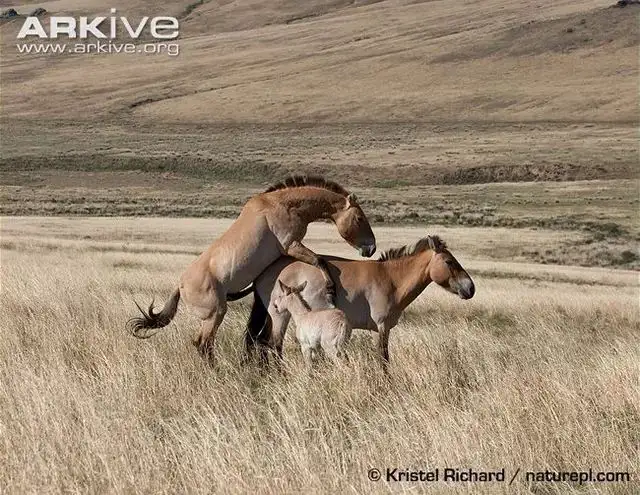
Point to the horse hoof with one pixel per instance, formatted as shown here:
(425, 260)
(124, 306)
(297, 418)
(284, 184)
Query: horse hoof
(206, 352)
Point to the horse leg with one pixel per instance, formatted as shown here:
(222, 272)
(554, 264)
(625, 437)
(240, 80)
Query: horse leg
(383, 346)
(207, 298)
(301, 252)
(332, 352)
(206, 339)
(279, 322)
(345, 336)
(307, 354)
(257, 331)
(332, 344)
(264, 342)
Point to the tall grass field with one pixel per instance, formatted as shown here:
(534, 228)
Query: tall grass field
(539, 371)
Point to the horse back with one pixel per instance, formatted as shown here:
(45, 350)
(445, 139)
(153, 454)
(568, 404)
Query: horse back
(243, 252)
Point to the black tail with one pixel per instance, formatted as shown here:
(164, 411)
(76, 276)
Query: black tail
(239, 295)
(258, 330)
(150, 320)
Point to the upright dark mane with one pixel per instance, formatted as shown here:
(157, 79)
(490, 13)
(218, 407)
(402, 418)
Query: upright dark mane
(308, 180)
(420, 246)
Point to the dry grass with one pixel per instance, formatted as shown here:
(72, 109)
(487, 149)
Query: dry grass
(533, 373)
(403, 100)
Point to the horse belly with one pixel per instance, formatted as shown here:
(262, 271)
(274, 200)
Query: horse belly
(238, 262)
(309, 333)
(361, 320)
(351, 300)
(356, 310)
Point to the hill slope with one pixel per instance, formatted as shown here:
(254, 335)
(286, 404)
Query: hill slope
(339, 61)
(416, 105)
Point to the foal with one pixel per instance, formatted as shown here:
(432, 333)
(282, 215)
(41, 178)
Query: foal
(326, 328)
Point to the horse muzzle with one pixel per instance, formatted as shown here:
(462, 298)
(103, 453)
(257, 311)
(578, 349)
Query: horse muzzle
(466, 290)
(367, 251)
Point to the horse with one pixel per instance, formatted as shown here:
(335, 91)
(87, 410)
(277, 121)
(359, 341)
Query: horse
(328, 329)
(372, 294)
(270, 225)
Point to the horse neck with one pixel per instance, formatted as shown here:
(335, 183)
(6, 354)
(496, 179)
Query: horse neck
(311, 203)
(296, 306)
(410, 276)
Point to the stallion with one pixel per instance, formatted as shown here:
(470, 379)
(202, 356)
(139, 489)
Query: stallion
(270, 225)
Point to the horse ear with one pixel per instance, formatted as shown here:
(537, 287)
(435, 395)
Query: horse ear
(284, 288)
(352, 200)
(432, 245)
(300, 287)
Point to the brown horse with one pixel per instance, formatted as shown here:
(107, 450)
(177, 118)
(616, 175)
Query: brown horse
(372, 294)
(270, 225)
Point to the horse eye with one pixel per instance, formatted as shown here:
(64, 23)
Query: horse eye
(449, 262)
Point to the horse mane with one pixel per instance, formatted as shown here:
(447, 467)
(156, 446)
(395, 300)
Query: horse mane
(310, 181)
(418, 247)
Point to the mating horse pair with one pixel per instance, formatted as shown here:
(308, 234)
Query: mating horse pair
(264, 245)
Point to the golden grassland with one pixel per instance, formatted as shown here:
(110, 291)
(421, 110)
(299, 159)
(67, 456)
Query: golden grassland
(509, 128)
(538, 371)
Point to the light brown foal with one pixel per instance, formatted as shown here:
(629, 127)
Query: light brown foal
(372, 294)
(270, 225)
(326, 329)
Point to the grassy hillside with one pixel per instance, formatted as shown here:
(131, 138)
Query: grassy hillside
(540, 91)
(336, 61)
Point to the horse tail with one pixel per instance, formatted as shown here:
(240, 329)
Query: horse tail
(138, 326)
(258, 329)
(239, 295)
